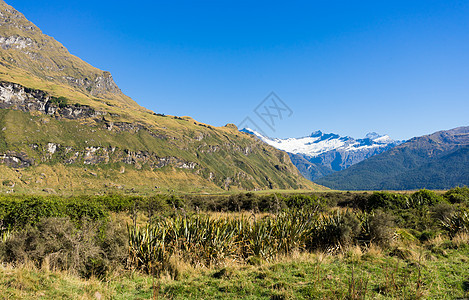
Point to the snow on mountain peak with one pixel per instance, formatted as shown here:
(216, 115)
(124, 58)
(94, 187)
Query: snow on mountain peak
(331, 151)
(319, 143)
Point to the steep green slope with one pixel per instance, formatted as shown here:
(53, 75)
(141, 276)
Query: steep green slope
(446, 172)
(66, 125)
(437, 161)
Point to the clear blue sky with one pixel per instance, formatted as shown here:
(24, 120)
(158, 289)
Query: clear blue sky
(348, 67)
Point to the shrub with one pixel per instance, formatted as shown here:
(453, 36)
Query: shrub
(113, 241)
(381, 228)
(458, 195)
(301, 201)
(57, 243)
(385, 200)
(79, 210)
(424, 198)
(21, 212)
(456, 223)
(175, 202)
(16, 212)
(8, 183)
(442, 211)
(337, 230)
(56, 240)
(59, 101)
(116, 203)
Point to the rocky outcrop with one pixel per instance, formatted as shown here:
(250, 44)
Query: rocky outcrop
(100, 85)
(18, 97)
(15, 96)
(11, 18)
(102, 155)
(17, 42)
(16, 159)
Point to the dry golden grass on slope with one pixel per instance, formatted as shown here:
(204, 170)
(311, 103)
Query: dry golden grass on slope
(69, 180)
(37, 61)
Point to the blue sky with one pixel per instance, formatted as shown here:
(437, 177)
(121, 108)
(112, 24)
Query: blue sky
(348, 67)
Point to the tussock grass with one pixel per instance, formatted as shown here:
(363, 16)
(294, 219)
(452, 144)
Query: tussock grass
(354, 273)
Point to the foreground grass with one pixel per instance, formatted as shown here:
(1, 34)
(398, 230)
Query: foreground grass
(436, 270)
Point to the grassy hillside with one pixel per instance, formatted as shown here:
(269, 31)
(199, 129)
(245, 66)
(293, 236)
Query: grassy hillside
(224, 158)
(117, 145)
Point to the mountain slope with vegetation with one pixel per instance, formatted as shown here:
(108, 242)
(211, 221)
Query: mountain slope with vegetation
(436, 161)
(65, 126)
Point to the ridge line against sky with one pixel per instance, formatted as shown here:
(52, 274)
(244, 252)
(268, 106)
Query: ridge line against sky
(399, 68)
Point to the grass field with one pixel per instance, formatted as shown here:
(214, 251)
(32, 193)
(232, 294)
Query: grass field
(326, 245)
(353, 274)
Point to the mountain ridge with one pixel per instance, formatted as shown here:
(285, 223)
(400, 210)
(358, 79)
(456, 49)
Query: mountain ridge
(434, 161)
(320, 154)
(53, 62)
(66, 125)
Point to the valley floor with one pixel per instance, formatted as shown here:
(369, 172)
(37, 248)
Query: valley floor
(436, 270)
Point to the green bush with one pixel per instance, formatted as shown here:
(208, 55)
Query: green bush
(78, 210)
(385, 200)
(301, 201)
(243, 202)
(59, 101)
(117, 203)
(456, 223)
(331, 231)
(424, 198)
(442, 211)
(175, 202)
(18, 212)
(458, 195)
(7, 182)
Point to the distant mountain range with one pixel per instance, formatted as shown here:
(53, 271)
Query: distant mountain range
(321, 154)
(436, 161)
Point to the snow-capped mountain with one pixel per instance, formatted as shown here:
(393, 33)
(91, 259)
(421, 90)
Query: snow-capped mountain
(321, 153)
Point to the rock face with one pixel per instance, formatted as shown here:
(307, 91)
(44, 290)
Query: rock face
(96, 155)
(17, 97)
(321, 154)
(16, 159)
